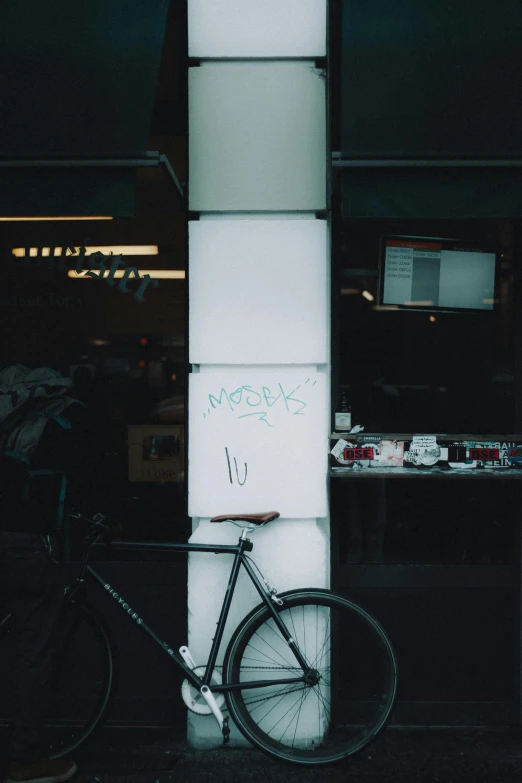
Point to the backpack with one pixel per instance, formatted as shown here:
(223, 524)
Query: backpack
(29, 399)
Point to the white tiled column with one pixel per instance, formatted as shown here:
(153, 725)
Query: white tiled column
(259, 312)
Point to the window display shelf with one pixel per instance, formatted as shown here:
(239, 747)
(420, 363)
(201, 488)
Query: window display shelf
(502, 474)
(414, 455)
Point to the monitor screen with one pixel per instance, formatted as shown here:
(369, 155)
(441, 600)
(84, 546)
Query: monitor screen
(423, 273)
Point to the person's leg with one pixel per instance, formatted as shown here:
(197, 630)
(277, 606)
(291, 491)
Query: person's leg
(34, 588)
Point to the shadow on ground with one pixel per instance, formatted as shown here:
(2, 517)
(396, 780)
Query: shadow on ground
(397, 756)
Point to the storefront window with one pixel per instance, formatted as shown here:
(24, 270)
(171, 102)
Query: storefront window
(411, 370)
(124, 349)
(102, 300)
(425, 371)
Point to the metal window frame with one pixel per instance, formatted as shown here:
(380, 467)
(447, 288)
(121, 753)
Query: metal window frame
(147, 160)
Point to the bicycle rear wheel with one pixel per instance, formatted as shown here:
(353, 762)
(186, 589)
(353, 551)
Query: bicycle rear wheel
(311, 724)
(82, 680)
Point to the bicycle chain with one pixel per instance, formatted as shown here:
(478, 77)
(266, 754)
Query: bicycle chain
(265, 698)
(279, 668)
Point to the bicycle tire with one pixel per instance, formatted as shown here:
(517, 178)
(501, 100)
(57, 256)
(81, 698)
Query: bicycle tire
(342, 717)
(82, 683)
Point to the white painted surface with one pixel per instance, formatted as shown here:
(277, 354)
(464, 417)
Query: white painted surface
(257, 443)
(250, 28)
(256, 216)
(290, 553)
(257, 291)
(257, 145)
(243, 155)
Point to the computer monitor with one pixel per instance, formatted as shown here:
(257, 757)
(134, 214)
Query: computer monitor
(427, 273)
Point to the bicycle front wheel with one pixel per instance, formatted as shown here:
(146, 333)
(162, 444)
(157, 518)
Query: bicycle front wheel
(347, 703)
(81, 684)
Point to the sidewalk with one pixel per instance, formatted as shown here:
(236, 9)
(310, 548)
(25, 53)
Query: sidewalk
(416, 756)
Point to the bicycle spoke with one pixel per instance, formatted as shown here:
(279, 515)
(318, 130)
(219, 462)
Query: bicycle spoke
(298, 712)
(303, 700)
(268, 657)
(316, 663)
(283, 668)
(283, 716)
(326, 638)
(304, 633)
(279, 637)
(322, 699)
(270, 696)
(283, 695)
(295, 733)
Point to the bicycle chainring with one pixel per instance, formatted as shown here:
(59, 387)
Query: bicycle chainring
(194, 699)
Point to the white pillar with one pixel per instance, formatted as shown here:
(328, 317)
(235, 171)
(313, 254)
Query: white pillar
(259, 334)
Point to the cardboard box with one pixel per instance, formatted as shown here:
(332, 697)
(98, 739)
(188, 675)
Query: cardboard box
(156, 452)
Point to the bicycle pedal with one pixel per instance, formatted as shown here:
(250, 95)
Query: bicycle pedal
(225, 729)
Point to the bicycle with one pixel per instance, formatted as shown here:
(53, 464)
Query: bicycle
(308, 676)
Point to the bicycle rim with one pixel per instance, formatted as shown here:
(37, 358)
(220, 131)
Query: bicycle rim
(321, 723)
(81, 684)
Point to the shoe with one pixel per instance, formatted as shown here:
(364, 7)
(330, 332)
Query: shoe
(44, 771)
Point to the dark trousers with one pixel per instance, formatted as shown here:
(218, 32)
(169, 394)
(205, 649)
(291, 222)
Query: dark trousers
(32, 590)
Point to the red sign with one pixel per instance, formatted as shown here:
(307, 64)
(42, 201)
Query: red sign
(351, 454)
(484, 455)
(416, 245)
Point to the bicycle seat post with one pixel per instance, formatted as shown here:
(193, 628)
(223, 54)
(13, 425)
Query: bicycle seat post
(244, 542)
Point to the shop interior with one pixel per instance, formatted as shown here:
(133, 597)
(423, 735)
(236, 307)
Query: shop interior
(124, 352)
(119, 335)
(425, 370)
(435, 557)
(416, 154)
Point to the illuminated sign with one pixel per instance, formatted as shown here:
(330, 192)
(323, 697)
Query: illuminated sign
(97, 266)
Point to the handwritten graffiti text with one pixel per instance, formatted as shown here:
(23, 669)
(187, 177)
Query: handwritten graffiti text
(257, 403)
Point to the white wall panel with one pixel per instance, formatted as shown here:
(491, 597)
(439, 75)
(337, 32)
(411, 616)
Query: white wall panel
(257, 138)
(254, 28)
(257, 291)
(257, 443)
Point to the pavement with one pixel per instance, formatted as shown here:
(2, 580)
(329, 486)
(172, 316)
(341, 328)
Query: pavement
(396, 756)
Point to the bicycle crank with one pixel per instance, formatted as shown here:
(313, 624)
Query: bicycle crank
(195, 700)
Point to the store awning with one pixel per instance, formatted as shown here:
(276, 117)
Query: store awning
(431, 78)
(392, 192)
(77, 80)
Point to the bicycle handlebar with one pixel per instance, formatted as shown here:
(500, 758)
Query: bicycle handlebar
(97, 528)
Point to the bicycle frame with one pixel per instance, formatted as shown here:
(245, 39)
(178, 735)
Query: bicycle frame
(240, 559)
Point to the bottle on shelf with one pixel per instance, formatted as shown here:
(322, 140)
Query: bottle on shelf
(343, 414)
(153, 452)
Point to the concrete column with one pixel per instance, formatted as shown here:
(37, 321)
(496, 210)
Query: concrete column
(259, 334)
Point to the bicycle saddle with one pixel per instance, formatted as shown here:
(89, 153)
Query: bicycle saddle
(255, 519)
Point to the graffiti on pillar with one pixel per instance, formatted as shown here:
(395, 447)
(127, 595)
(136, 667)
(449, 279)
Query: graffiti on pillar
(291, 400)
(241, 483)
(257, 441)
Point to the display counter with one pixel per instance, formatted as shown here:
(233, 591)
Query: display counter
(502, 474)
(421, 456)
(439, 564)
